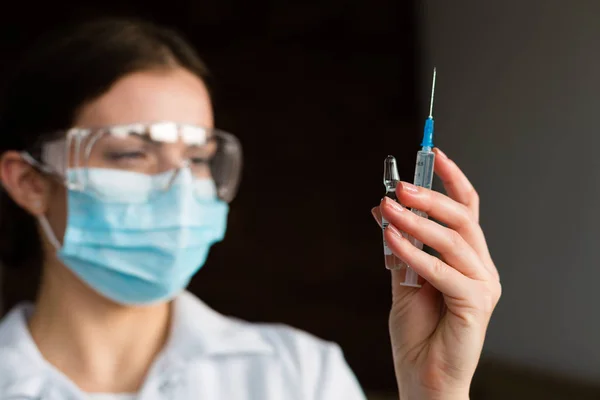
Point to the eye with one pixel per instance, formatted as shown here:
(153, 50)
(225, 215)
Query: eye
(202, 155)
(126, 155)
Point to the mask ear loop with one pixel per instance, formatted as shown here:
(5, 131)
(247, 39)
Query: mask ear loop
(43, 221)
(49, 232)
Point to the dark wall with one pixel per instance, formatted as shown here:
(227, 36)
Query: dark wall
(319, 94)
(517, 89)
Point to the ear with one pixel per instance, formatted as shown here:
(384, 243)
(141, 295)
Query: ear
(24, 184)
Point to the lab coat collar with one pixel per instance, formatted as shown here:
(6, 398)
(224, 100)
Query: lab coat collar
(197, 331)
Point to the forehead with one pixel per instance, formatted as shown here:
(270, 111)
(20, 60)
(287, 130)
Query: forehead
(174, 95)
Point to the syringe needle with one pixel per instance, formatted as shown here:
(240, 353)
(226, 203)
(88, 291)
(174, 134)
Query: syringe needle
(432, 94)
(428, 129)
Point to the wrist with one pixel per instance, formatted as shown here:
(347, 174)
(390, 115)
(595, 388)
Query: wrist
(438, 396)
(416, 387)
(418, 392)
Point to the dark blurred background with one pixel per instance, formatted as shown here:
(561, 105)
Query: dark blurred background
(320, 92)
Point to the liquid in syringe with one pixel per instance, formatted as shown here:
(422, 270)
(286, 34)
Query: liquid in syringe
(424, 168)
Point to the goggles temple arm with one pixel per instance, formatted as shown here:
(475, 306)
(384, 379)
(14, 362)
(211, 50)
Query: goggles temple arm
(28, 158)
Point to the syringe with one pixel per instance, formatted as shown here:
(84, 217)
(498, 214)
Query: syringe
(423, 178)
(390, 181)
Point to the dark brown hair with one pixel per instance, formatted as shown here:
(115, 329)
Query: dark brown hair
(54, 79)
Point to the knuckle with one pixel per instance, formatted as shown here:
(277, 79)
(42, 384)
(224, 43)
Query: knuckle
(465, 215)
(473, 316)
(438, 268)
(474, 199)
(489, 296)
(474, 196)
(455, 240)
(498, 291)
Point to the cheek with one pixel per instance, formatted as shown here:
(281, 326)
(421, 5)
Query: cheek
(57, 211)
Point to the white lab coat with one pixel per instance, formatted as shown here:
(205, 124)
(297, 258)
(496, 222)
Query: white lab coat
(208, 357)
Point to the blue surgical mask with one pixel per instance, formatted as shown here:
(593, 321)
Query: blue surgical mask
(135, 246)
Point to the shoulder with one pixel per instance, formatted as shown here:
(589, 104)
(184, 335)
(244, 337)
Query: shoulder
(20, 362)
(200, 327)
(301, 349)
(317, 366)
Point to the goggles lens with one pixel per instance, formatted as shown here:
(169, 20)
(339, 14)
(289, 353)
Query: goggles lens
(159, 150)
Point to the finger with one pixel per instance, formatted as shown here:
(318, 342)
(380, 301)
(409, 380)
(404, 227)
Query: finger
(450, 244)
(449, 212)
(456, 184)
(441, 276)
(377, 215)
(460, 189)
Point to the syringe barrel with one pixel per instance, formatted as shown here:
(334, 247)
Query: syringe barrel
(423, 178)
(424, 168)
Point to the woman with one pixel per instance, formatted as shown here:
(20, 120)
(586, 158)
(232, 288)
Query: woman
(117, 184)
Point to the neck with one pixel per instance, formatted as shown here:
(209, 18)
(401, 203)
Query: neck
(101, 346)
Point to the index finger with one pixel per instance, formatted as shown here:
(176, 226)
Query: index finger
(456, 183)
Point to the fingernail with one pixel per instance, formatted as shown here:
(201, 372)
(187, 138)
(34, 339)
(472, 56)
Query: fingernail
(409, 187)
(393, 204)
(374, 214)
(394, 231)
(441, 154)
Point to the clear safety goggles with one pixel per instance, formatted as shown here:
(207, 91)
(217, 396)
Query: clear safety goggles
(157, 149)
